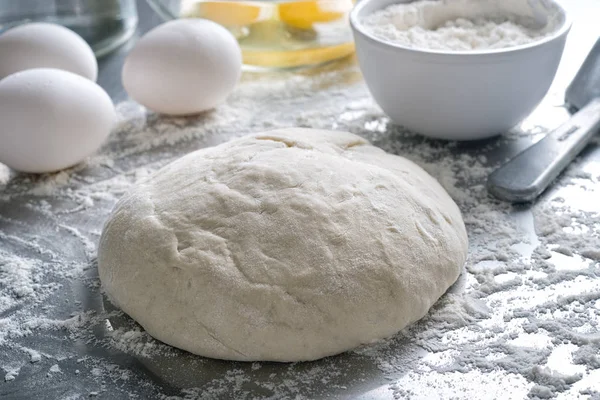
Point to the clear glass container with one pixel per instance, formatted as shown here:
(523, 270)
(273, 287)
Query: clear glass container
(275, 33)
(104, 24)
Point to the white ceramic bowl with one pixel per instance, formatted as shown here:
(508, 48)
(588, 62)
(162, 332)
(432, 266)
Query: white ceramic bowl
(457, 95)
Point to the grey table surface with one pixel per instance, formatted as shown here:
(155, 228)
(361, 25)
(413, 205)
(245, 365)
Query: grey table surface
(91, 366)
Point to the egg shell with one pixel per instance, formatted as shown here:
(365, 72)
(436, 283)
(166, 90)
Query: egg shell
(45, 45)
(51, 119)
(183, 67)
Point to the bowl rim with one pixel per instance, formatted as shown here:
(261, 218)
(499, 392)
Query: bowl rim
(358, 28)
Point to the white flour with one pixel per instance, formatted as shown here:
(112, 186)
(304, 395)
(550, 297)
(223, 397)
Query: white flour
(523, 319)
(455, 25)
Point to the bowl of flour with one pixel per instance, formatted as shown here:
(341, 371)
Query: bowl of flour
(459, 69)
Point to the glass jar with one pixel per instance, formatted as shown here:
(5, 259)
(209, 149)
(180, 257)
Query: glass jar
(104, 24)
(275, 33)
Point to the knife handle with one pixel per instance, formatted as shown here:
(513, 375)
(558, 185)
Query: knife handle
(528, 174)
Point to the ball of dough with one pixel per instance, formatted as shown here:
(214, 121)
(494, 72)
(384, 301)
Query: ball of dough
(288, 245)
(44, 45)
(183, 67)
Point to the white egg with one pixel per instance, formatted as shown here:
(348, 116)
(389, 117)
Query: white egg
(183, 67)
(51, 119)
(44, 45)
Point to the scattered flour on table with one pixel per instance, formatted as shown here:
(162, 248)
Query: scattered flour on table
(523, 319)
(455, 25)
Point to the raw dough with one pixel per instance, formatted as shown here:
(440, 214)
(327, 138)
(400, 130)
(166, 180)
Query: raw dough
(287, 245)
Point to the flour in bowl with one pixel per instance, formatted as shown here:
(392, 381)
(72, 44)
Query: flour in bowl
(463, 25)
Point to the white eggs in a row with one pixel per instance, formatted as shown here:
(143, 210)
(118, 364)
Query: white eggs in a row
(53, 113)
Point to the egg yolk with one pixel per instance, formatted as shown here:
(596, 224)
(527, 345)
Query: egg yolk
(228, 13)
(304, 14)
